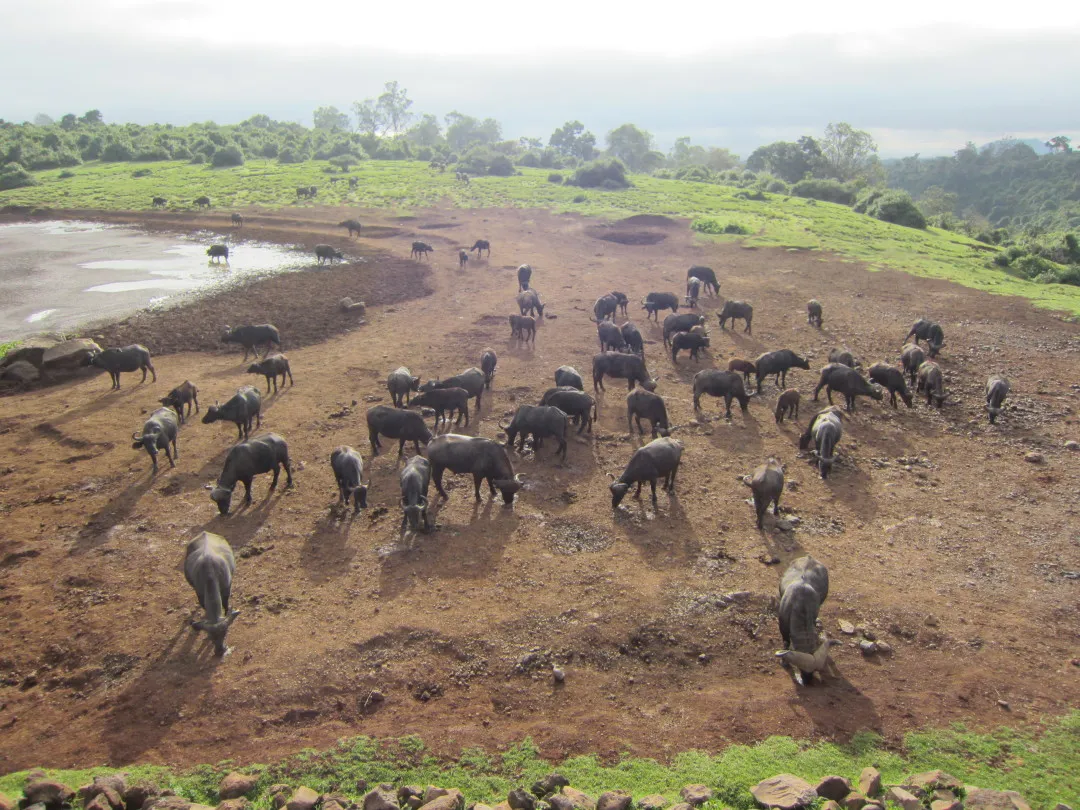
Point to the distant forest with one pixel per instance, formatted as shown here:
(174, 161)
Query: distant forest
(1005, 182)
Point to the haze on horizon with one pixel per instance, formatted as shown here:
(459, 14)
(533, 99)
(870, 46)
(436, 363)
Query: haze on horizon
(922, 78)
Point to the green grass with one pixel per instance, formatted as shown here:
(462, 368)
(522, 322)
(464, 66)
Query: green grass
(7, 347)
(401, 186)
(1043, 767)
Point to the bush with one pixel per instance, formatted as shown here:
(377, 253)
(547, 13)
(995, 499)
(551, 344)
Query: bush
(605, 174)
(716, 227)
(12, 175)
(501, 166)
(897, 207)
(694, 174)
(580, 198)
(269, 150)
(530, 160)
(1033, 267)
(65, 175)
(757, 196)
(117, 152)
(151, 154)
(290, 155)
(777, 186)
(181, 153)
(198, 159)
(826, 190)
(141, 173)
(227, 156)
(555, 177)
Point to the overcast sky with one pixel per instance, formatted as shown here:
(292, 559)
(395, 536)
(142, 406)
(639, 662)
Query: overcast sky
(922, 76)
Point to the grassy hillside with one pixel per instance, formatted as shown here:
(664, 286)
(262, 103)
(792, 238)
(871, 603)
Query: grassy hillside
(770, 220)
(1044, 768)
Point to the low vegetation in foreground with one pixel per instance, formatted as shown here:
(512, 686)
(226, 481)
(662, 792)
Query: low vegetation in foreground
(1044, 767)
(758, 218)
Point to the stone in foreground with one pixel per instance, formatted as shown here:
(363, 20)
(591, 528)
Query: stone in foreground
(784, 791)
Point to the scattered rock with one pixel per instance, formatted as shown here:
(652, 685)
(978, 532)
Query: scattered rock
(868, 648)
(614, 800)
(784, 791)
(452, 801)
(558, 801)
(303, 798)
(139, 794)
(348, 305)
(8, 804)
(102, 802)
(549, 784)
(983, 799)
(558, 675)
(853, 801)
(519, 799)
(68, 355)
(681, 806)
(903, 798)
(168, 803)
(946, 804)
(48, 792)
(929, 781)
(20, 371)
(239, 804)
(847, 628)
(833, 787)
(432, 793)
(1034, 458)
(884, 647)
(870, 779)
(1072, 445)
(279, 795)
(579, 800)
(831, 805)
(652, 802)
(379, 799)
(931, 620)
(236, 785)
(696, 795)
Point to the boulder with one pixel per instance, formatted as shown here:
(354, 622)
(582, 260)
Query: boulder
(579, 800)
(614, 800)
(549, 784)
(6, 803)
(48, 792)
(448, 802)
(20, 372)
(519, 799)
(138, 795)
(784, 791)
(303, 798)
(234, 804)
(681, 806)
(200, 807)
(696, 795)
(348, 305)
(904, 799)
(110, 798)
(406, 792)
(99, 802)
(113, 786)
(983, 799)
(279, 795)
(870, 782)
(831, 805)
(432, 793)
(946, 804)
(833, 787)
(560, 802)
(69, 355)
(853, 801)
(652, 802)
(168, 803)
(929, 781)
(31, 350)
(236, 785)
(379, 799)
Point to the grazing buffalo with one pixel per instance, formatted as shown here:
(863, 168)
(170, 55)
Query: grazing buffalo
(929, 331)
(706, 276)
(326, 253)
(483, 458)
(814, 314)
(117, 361)
(394, 423)
(183, 394)
(767, 485)
(777, 364)
(480, 245)
(352, 225)
(658, 459)
(348, 469)
(263, 454)
(892, 380)
(399, 383)
(655, 302)
(997, 388)
(415, 479)
(804, 587)
(726, 384)
(209, 567)
(251, 337)
(539, 421)
(574, 402)
(737, 309)
(420, 250)
(629, 367)
(158, 433)
(242, 409)
(271, 367)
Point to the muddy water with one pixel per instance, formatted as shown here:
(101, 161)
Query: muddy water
(59, 275)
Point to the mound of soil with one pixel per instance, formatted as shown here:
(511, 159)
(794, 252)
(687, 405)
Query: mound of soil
(628, 237)
(437, 226)
(289, 301)
(649, 221)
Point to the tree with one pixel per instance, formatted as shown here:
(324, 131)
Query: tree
(426, 131)
(69, 122)
(530, 143)
(847, 152)
(43, 120)
(936, 201)
(791, 162)
(369, 118)
(331, 119)
(1060, 143)
(572, 140)
(463, 131)
(630, 145)
(394, 106)
(92, 117)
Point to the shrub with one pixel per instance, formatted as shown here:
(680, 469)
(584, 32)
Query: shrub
(152, 153)
(694, 174)
(580, 198)
(227, 156)
(117, 152)
(12, 175)
(716, 227)
(777, 186)
(501, 166)
(181, 153)
(65, 175)
(269, 150)
(605, 174)
(530, 160)
(555, 177)
(392, 150)
(345, 162)
(198, 158)
(141, 173)
(290, 155)
(891, 205)
(750, 195)
(1032, 267)
(826, 190)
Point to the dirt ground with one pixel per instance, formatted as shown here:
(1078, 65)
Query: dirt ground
(940, 538)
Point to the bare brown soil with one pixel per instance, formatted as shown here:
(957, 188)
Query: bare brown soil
(939, 536)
